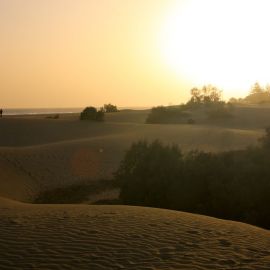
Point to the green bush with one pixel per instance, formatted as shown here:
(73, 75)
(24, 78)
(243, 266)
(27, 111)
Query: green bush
(169, 115)
(231, 185)
(146, 171)
(91, 113)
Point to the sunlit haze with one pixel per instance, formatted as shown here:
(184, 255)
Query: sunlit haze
(65, 53)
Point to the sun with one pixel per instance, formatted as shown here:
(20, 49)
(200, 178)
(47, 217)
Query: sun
(223, 42)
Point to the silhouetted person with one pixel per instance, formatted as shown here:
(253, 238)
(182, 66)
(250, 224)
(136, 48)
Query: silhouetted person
(1, 112)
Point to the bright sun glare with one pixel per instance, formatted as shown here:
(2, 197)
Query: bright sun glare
(224, 42)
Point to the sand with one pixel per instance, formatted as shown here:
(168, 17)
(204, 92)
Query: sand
(125, 237)
(41, 154)
(38, 154)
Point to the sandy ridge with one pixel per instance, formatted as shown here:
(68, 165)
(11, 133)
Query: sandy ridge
(123, 237)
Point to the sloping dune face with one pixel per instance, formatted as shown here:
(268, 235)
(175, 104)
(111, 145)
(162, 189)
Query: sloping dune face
(124, 237)
(40, 154)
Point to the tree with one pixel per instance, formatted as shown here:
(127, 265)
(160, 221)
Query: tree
(146, 172)
(207, 94)
(258, 94)
(211, 94)
(91, 113)
(110, 108)
(256, 89)
(232, 185)
(195, 95)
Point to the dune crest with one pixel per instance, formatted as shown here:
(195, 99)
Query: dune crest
(125, 237)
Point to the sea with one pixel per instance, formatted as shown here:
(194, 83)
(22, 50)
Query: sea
(33, 111)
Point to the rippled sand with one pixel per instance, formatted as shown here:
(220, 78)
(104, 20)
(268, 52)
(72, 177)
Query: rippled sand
(124, 237)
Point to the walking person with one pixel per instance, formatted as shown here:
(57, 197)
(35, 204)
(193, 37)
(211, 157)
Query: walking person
(1, 112)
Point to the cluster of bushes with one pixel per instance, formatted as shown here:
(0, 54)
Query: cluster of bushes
(109, 108)
(206, 100)
(171, 114)
(232, 185)
(91, 113)
(257, 95)
(203, 96)
(220, 110)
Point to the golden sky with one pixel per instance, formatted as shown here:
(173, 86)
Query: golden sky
(73, 53)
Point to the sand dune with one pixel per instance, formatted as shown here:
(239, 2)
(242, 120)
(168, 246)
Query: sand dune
(43, 154)
(37, 154)
(123, 237)
(27, 131)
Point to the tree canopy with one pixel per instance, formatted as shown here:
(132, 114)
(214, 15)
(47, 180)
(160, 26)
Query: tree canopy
(91, 113)
(232, 185)
(207, 94)
(109, 108)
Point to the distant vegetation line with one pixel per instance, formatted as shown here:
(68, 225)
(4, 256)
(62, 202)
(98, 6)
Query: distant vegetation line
(204, 102)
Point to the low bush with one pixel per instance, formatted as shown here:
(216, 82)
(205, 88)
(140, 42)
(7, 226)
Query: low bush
(91, 113)
(109, 108)
(232, 185)
(169, 115)
(219, 112)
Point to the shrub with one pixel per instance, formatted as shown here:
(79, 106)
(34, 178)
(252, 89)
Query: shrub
(232, 185)
(110, 108)
(169, 115)
(146, 171)
(219, 111)
(91, 113)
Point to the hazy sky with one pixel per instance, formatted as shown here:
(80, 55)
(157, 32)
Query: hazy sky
(69, 53)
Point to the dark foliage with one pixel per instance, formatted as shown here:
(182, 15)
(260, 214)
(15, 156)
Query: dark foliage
(207, 94)
(205, 101)
(208, 99)
(109, 108)
(257, 95)
(91, 113)
(219, 110)
(169, 115)
(143, 164)
(232, 185)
